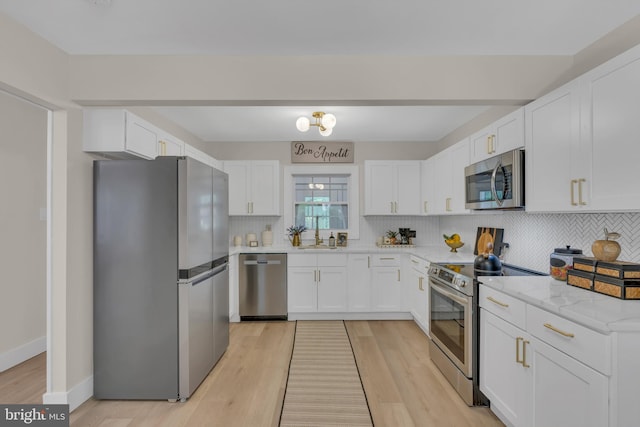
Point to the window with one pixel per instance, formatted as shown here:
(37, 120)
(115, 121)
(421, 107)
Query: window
(324, 193)
(321, 201)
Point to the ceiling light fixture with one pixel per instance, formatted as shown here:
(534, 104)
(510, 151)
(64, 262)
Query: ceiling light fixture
(324, 121)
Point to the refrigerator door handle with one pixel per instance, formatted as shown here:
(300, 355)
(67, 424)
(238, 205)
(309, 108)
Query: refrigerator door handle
(207, 275)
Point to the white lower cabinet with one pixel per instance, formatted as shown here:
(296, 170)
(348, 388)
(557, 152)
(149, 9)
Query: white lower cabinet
(359, 286)
(417, 295)
(534, 370)
(386, 284)
(565, 392)
(316, 283)
(503, 377)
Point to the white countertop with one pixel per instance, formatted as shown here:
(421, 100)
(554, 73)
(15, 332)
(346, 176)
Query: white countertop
(434, 253)
(596, 311)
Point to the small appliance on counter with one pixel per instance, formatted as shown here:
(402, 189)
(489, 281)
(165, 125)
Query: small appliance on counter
(561, 261)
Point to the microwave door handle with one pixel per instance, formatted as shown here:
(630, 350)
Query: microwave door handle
(493, 184)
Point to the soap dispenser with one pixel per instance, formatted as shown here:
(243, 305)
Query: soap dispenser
(332, 240)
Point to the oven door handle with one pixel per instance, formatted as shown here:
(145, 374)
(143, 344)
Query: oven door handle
(494, 191)
(443, 291)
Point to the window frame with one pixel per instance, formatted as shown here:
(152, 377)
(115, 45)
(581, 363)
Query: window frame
(353, 175)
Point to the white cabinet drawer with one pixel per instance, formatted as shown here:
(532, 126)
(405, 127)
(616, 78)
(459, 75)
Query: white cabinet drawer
(385, 260)
(332, 260)
(317, 260)
(301, 260)
(586, 345)
(419, 264)
(504, 306)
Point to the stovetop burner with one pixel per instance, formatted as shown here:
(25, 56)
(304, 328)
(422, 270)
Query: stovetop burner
(461, 275)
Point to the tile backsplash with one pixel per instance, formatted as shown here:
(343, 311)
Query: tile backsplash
(532, 237)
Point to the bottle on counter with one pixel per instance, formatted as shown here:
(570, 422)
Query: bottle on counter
(332, 240)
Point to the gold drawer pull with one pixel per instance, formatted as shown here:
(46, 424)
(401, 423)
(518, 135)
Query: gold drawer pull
(518, 340)
(524, 354)
(501, 304)
(561, 332)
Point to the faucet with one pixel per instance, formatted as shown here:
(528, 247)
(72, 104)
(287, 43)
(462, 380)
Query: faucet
(318, 239)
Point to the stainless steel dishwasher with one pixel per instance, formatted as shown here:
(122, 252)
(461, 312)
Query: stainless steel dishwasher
(263, 286)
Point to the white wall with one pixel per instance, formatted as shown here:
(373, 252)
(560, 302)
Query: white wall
(23, 165)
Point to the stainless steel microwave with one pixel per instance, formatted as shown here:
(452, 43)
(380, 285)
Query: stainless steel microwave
(496, 183)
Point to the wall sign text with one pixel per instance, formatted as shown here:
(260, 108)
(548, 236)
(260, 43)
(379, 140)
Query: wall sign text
(322, 152)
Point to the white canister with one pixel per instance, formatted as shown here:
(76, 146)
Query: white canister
(267, 238)
(237, 240)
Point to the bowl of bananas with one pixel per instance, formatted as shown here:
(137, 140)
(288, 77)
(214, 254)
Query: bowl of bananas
(453, 242)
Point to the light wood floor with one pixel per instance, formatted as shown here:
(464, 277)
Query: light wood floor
(246, 388)
(25, 383)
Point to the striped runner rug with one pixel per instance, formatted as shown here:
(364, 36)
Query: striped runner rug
(324, 387)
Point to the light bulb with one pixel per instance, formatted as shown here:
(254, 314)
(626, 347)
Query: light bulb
(302, 124)
(326, 132)
(329, 121)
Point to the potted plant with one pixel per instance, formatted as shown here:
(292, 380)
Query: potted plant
(294, 234)
(391, 235)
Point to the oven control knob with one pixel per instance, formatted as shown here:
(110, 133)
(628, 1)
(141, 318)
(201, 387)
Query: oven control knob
(463, 283)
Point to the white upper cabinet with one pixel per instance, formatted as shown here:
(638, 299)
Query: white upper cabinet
(254, 187)
(118, 133)
(392, 187)
(194, 153)
(448, 180)
(169, 145)
(501, 136)
(611, 110)
(581, 141)
(427, 187)
(553, 156)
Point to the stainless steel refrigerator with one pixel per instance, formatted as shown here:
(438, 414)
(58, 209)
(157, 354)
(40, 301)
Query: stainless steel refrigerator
(161, 281)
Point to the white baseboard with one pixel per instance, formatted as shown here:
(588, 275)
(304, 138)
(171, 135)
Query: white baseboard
(403, 315)
(75, 397)
(17, 355)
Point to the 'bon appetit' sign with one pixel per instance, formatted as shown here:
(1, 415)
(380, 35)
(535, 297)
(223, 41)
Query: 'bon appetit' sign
(322, 152)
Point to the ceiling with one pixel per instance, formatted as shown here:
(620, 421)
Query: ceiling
(330, 27)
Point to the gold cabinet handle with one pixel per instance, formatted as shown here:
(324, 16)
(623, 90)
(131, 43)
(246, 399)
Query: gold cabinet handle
(391, 207)
(495, 301)
(448, 205)
(420, 279)
(488, 144)
(493, 144)
(425, 207)
(580, 181)
(573, 196)
(524, 354)
(387, 258)
(518, 340)
(559, 331)
(395, 207)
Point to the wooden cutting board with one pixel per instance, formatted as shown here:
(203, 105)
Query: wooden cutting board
(488, 235)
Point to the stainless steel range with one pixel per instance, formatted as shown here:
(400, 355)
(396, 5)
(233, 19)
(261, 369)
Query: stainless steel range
(454, 323)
